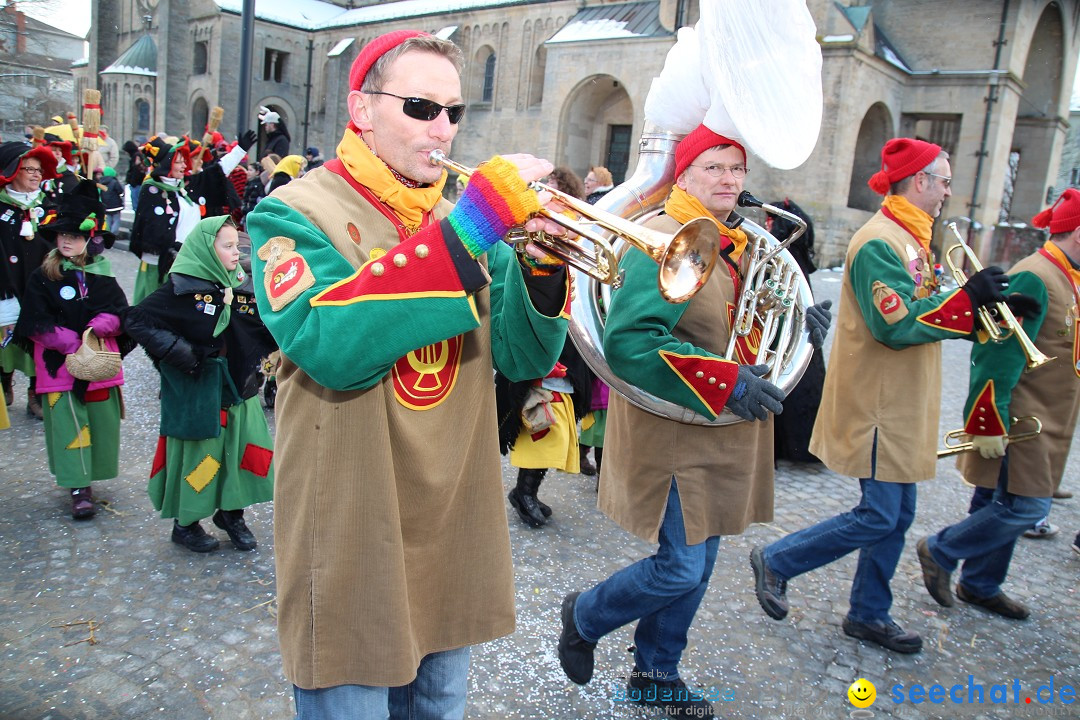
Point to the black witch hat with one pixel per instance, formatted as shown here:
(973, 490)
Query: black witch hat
(159, 155)
(80, 212)
(12, 154)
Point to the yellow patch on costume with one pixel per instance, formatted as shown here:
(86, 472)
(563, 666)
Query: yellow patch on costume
(203, 473)
(888, 303)
(52, 399)
(286, 274)
(82, 440)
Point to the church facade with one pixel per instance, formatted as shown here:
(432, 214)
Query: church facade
(567, 80)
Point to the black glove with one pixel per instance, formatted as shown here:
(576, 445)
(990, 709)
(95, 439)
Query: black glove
(247, 140)
(1023, 306)
(818, 319)
(754, 398)
(987, 286)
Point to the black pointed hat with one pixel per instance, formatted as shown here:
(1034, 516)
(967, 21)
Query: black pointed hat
(159, 154)
(80, 212)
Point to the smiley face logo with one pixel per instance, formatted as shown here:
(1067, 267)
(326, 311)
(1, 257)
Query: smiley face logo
(862, 693)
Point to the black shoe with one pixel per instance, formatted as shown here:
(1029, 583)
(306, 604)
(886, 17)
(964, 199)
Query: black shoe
(232, 522)
(1001, 603)
(1076, 544)
(193, 537)
(587, 468)
(677, 700)
(935, 577)
(82, 503)
(886, 634)
(771, 591)
(269, 392)
(575, 654)
(9, 392)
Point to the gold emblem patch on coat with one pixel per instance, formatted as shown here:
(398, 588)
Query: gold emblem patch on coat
(888, 303)
(286, 274)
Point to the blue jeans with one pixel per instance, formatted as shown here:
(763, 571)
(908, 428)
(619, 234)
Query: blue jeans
(985, 539)
(662, 592)
(437, 693)
(875, 527)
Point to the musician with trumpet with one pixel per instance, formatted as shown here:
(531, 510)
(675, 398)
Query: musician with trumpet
(1022, 476)
(391, 306)
(671, 482)
(879, 411)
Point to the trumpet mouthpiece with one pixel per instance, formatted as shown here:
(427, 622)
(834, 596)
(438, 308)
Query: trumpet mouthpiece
(435, 157)
(748, 200)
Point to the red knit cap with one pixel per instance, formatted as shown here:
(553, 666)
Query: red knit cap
(901, 158)
(697, 142)
(1061, 217)
(375, 50)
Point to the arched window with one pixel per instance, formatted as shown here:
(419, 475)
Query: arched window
(876, 128)
(489, 79)
(200, 115)
(199, 58)
(536, 78)
(142, 117)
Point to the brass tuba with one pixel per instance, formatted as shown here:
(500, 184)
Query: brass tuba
(638, 199)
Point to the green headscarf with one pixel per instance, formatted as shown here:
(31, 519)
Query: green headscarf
(198, 258)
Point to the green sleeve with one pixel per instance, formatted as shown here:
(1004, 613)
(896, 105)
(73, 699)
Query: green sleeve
(351, 345)
(876, 270)
(1002, 363)
(638, 336)
(525, 343)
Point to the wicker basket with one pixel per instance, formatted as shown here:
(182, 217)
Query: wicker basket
(92, 361)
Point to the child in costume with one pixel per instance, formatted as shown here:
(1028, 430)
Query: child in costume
(201, 328)
(74, 290)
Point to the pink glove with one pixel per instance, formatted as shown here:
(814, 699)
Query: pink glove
(105, 325)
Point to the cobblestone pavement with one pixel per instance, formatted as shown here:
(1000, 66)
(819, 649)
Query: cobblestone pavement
(189, 637)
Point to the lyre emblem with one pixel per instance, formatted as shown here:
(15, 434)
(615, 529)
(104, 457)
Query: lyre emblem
(424, 377)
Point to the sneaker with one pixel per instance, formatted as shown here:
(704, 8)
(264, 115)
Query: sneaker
(1059, 494)
(232, 522)
(1001, 603)
(193, 537)
(575, 654)
(771, 591)
(935, 577)
(676, 699)
(886, 634)
(1043, 529)
(82, 503)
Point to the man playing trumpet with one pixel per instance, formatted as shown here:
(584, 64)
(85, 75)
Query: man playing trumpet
(872, 425)
(1023, 476)
(390, 306)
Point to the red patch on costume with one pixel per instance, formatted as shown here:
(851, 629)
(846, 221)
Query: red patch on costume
(425, 377)
(889, 304)
(286, 275)
(747, 347)
(256, 460)
(354, 233)
(99, 395)
(224, 418)
(159, 457)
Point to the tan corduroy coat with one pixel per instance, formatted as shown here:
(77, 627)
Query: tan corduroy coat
(724, 473)
(391, 537)
(1050, 393)
(873, 389)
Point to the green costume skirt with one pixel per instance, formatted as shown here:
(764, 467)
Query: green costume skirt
(190, 479)
(82, 439)
(593, 427)
(146, 282)
(14, 358)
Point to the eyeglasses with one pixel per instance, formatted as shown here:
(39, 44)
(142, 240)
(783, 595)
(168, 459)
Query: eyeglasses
(737, 171)
(426, 110)
(31, 170)
(945, 179)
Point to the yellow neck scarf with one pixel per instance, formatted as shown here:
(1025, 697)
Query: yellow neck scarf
(684, 207)
(409, 204)
(915, 220)
(1062, 258)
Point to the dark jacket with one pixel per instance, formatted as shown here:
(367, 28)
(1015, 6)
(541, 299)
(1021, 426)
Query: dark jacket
(277, 142)
(173, 327)
(254, 191)
(112, 194)
(19, 257)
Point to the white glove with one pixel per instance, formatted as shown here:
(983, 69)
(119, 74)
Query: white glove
(990, 446)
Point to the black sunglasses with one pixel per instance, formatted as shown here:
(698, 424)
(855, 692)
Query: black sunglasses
(427, 110)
